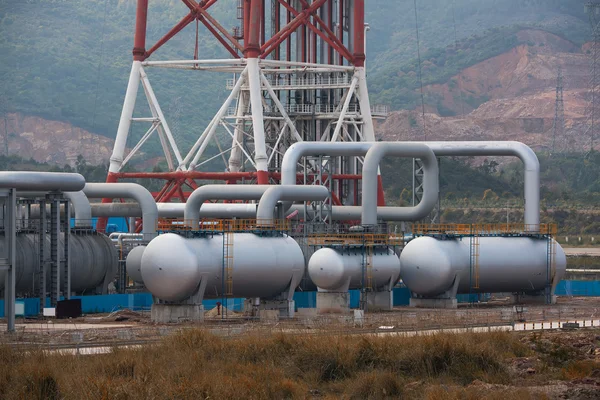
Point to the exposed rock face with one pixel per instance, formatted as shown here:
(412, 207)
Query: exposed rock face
(53, 141)
(518, 90)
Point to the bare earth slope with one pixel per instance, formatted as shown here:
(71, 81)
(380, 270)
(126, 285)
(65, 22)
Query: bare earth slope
(520, 88)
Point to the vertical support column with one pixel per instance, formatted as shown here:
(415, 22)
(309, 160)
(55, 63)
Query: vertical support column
(43, 228)
(260, 147)
(54, 255)
(10, 233)
(66, 271)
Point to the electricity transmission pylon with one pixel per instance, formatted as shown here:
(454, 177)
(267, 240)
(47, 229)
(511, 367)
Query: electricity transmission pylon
(592, 8)
(559, 113)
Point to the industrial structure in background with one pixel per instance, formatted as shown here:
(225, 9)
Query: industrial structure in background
(558, 128)
(302, 205)
(298, 71)
(592, 8)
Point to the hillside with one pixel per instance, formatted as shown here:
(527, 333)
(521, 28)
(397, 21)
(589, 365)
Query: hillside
(69, 61)
(507, 97)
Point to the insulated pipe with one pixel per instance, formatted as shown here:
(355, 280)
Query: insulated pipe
(83, 210)
(219, 192)
(509, 148)
(42, 181)
(267, 203)
(132, 191)
(369, 181)
(175, 210)
(292, 156)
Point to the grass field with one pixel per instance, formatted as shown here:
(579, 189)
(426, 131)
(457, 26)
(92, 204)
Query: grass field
(197, 365)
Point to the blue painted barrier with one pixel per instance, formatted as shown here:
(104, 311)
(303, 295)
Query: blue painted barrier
(143, 301)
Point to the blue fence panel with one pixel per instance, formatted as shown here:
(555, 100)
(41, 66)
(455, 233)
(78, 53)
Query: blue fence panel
(578, 288)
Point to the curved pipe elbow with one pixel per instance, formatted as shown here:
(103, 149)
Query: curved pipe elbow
(219, 192)
(82, 208)
(269, 200)
(369, 179)
(131, 191)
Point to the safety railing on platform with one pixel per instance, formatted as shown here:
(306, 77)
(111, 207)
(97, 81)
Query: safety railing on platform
(355, 239)
(483, 229)
(222, 225)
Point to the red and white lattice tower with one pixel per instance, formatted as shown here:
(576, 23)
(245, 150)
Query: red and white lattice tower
(305, 81)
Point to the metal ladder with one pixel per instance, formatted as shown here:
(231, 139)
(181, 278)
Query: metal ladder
(550, 268)
(369, 267)
(228, 262)
(474, 261)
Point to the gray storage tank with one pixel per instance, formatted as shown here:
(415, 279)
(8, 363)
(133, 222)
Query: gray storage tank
(506, 264)
(93, 260)
(173, 266)
(339, 271)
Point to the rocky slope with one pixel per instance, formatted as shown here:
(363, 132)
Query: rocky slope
(52, 141)
(519, 92)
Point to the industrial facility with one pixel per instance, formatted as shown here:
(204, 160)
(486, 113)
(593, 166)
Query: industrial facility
(300, 206)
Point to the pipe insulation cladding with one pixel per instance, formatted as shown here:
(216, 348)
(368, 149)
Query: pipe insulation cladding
(506, 264)
(93, 257)
(172, 267)
(336, 271)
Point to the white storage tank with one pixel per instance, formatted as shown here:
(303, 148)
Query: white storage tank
(506, 264)
(133, 263)
(335, 270)
(172, 266)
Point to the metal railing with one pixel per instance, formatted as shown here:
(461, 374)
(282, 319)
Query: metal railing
(222, 225)
(483, 229)
(355, 239)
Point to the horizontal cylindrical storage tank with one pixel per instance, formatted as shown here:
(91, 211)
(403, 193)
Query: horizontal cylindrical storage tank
(173, 266)
(92, 257)
(506, 264)
(334, 270)
(133, 263)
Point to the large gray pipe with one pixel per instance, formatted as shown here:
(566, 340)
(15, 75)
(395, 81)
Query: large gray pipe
(369, 181)
(130, 191)
(82, 208)
(42, 181)
(266, 206)
(510, 148)
(292, 157)
(175, 210)
(219, 192)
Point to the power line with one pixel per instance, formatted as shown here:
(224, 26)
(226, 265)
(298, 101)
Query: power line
(99, 69)
(462, 104)
(420, 70)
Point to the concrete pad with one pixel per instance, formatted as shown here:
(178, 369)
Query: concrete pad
(379, 301)
(433, 303)
(333, 302)
(169, 313)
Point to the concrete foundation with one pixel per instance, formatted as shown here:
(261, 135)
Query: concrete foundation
(378, 301)
(333, 302)
(283, 308)
(433, 303)
(169, 313)
(532, 299)
(268, 315)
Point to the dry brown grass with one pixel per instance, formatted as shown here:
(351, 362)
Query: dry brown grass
(198, 365)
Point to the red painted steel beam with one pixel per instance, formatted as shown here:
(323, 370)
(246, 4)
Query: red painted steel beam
(139, 38)
(340, 48)
(331, 39)
(252, 47)
(185, 21)
(221, 176)
(287, 30)
(359, 33)
(219, 37)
